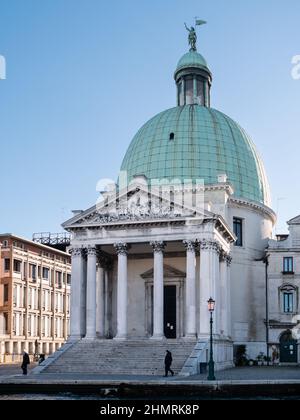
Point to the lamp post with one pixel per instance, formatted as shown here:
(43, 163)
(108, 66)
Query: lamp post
(211, 364)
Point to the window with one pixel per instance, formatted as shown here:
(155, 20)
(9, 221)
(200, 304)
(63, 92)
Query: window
(15, 295)
(238, 231)
(32, 270)
(5, 293)
(289, 299)
(288, 302)
(59, 279)
(14, 324)
(6, 264)
(17, 266)
(172, 136)
(5, 323)
(181, 93)
(189, 91)
(5, 244)
(200, 92)
(288, 265)
(45, 273)
(68, 278)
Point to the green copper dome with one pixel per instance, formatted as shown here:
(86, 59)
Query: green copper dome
(206, 144)
(192, 59)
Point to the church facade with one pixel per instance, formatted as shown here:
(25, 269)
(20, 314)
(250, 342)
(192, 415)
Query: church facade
(188, 220)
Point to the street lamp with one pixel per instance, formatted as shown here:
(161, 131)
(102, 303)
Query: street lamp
(211, 364)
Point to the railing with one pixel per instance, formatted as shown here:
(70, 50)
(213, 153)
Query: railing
(48, 238)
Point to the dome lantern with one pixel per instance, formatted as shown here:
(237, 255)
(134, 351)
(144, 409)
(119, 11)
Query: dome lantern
(192, 76)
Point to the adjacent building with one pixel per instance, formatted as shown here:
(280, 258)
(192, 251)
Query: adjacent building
(284, 287)
(35, 283)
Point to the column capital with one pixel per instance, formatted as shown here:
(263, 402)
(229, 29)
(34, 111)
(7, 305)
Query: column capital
(91, 251)
(121, 248)
(225, 257)
(190, 246)
(158, 246)
(228, 259)
(222, 255)
(206, 244)
(76, 252)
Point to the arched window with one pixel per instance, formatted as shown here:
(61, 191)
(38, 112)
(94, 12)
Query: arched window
(286, 336)
(289, 299)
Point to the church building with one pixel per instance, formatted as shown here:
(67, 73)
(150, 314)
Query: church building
(189, 219)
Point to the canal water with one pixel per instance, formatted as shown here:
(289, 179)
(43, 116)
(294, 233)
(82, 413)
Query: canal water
(75, 397)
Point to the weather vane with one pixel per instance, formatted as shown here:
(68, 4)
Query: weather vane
(192, 33)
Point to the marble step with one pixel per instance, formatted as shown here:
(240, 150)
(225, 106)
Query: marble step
(123, 358)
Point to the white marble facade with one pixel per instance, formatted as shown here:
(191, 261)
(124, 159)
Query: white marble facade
(123, 264)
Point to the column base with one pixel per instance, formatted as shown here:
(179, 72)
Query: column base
(89, 338)
(190, 337)
(120, 337)
(158, 337)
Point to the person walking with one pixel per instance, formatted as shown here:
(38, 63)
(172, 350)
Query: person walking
(168, 363)
(26, 362)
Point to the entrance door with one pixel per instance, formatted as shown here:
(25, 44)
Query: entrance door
(288, 348)
(170, 311)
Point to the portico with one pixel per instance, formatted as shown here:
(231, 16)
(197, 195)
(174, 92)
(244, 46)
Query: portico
(128, 275)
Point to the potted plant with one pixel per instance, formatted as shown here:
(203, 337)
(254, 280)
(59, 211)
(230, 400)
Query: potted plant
(260, 359)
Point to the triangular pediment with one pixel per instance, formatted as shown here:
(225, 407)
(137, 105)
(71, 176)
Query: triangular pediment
(169, 272)
(135, 204)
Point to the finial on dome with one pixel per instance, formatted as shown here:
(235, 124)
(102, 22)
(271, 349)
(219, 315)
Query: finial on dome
(193, 34)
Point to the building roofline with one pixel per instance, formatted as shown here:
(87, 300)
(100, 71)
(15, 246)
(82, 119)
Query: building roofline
(28, 241)
(294, 221)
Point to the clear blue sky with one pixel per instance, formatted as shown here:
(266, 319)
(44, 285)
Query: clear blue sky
(84, 75)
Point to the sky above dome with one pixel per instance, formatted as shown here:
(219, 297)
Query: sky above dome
(84, 76)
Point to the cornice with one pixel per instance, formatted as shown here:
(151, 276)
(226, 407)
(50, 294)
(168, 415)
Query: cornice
(255, 206)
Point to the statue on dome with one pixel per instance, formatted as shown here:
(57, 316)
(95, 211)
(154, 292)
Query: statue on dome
(192, 37)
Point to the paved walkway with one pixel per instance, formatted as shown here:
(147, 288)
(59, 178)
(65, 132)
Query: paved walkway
(255, 373)
(13, 372)
(13, 369)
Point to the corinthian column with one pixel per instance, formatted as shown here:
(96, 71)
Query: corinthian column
(190, 292)
(122, 250)
(229, 261)
(223, 294)
(100, 323)
(77, 281)
(209, 279)
(91, 294)
(158, 292)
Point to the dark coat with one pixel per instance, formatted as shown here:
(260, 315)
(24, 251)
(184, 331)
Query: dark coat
(168, 359)
(26, 360)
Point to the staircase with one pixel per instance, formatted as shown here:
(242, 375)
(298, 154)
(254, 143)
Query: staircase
(111, 357)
